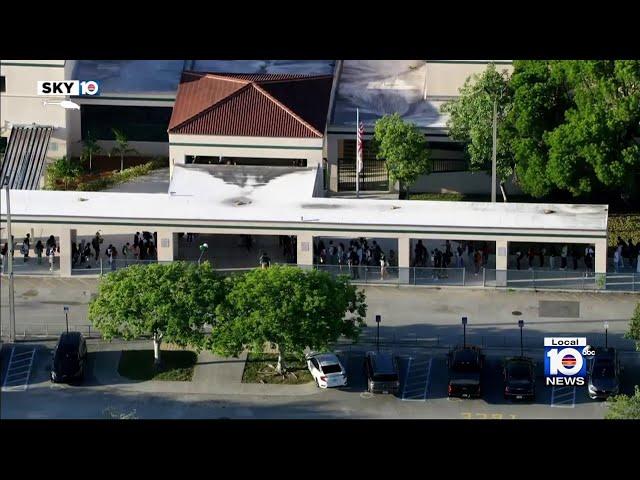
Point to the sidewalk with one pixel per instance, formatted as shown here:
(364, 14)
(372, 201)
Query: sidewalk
(212, 375)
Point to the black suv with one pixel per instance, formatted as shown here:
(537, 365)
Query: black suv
(381, 371)
(519, 378)
(604, 374)
(465, 368)
(69, 358)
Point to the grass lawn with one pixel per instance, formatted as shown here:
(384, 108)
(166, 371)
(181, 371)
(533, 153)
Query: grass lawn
(176, 365)
(260, 368)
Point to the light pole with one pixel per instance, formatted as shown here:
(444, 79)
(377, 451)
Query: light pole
(12, 306)
(378, 320)
(521, 324)
(66, 316)
(494, 167)
(203, 248)
(606, 334)
(464, 332)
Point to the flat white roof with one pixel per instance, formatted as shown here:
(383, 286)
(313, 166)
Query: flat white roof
(226, 194)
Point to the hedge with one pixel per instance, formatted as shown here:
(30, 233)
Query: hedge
(625, 226)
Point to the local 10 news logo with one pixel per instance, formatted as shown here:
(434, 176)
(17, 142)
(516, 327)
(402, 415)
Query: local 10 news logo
(74, 88)
(565, 360)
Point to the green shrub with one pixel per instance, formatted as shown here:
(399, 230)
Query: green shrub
(625, 226)
(634, 327)
(63, 172)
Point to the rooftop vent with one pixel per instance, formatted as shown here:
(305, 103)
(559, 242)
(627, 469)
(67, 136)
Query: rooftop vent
(548, 211)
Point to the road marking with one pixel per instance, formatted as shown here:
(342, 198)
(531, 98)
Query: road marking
(563, 397)
(487, 416)
(18, 370)
(416, 385)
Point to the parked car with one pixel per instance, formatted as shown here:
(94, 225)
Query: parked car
(69, 358)
(519, 378)
(604, 374)
(381, 372)
(326, 370)
(465, 368)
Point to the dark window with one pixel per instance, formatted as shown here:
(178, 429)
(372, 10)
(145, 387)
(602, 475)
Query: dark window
(333, 368)
(519, 372)
(315, 363)
(3, 85)
(142, 124)
(3, 145)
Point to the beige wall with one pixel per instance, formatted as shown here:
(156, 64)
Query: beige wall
(257, 147)
(444, 78)
(20, 103)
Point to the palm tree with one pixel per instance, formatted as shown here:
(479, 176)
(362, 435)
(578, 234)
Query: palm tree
(122, 146)
(90, 148)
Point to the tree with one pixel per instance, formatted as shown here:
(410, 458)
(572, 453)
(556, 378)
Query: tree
(90, 148)
(471, 121)
(404, 147)
(624, 407)
(122, 147)
(63, 169)
(288, 307)
(634, 327)
(170, 302)
(575, 126)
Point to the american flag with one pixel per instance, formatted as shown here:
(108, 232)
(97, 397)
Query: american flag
(360, 147)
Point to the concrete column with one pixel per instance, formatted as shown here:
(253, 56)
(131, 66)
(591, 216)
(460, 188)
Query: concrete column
(600, 262)
(65, 237)
(332, 162)
(502, 247)
(304, 244)
(165, 245)
(404, 259)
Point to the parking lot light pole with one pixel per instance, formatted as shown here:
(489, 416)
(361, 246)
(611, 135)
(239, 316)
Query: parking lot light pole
(606, 334)
(464, 332)
(203, 248)
(12, 305)
(521, 324)
(378, 320)
(66, 316)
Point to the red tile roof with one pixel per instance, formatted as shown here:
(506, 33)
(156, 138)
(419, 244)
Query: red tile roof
(257, 105)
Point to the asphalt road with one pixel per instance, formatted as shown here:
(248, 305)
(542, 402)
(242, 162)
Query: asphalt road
(422, 395)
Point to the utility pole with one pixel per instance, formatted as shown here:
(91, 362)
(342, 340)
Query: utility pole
(493, 154)
(12, 306)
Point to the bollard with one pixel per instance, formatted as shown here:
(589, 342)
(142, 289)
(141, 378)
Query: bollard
(101, 271)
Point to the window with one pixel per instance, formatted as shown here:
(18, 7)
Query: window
(143, 124)
(3, 85)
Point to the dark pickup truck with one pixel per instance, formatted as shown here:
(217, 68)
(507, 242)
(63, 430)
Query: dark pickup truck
(465, 368)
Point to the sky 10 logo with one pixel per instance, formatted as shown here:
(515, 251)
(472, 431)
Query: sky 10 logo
(72, 88)
(565, 360)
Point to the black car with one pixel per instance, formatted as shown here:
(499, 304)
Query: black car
(381, 372)
(604, 374)
(519, 378)
(465, 368)
(69, 358)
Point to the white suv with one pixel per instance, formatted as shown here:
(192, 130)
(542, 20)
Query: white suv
(326, 370)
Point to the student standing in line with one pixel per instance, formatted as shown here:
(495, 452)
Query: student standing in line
(563, 257)
(616, 260)
(52, 254)
(24, 250)
(5, 256)
(125, 253)
(552, 257)
(39, 248)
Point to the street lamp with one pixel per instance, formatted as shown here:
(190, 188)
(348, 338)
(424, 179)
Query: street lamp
(378, 320)
(12, 306)
(203, 248)
(606, 334)
(521, 324)
(66, 316)
(464, 332)
(66, 104)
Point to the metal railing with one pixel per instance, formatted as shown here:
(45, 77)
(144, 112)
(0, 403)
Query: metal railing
(368, 274)
(564, 280)
(50, 330)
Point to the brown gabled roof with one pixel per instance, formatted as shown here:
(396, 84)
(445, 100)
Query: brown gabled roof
(257, 105)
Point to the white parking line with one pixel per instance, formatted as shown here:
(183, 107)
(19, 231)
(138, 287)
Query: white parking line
(416, 384)
(563, 397)
(18, 370)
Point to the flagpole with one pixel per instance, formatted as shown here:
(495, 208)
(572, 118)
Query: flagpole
(357, 154)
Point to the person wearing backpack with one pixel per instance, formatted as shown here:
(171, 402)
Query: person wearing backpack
(265, 261)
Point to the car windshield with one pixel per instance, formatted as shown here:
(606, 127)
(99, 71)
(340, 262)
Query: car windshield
(519, 371)
(466, 361)
(603, 370)
(385, 377)
(331, 368)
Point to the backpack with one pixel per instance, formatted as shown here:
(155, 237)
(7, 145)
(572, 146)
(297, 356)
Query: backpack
(24, 249)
